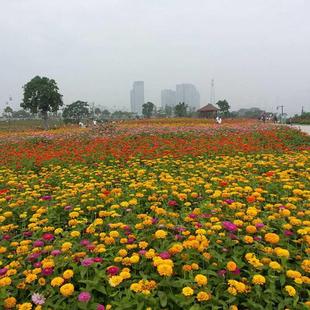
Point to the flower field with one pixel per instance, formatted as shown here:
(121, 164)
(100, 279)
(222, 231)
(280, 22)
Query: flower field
(161, 214)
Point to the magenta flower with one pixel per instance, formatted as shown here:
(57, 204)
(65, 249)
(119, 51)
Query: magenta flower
(56, 252)
(48, 236)
(38, 299)
(236, 271)
(165, 255)
(288, 233)
(259, 225)
(46, 197)
(229, 226)
(172, 203)
(47, 271)
(3, 271)
(84, 297)
(84, 242)
(221, 272)
(113, 270)
(38, 243)
(100, 307)
(67, 208)
(87, 262)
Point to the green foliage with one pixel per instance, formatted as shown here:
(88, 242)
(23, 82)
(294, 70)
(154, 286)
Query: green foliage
(148, 109)
(180, 109)
(224, 107)
(75, 112)
(41, 96)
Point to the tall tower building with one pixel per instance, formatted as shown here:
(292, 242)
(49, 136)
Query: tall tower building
(189, 94)
(168, 98)
(137, 97)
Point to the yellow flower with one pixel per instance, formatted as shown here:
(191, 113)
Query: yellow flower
(6, 281)
(305, 265)
(282, 252)
(231, 266)
(201, 279)
(10, 302)
(30, 278)
(275, 266)
(272, 238)
(203, 296)
(68, 274)
(164, 270)
(160, 234)
(115, 280)
(57, 281)
(25, 306)
(248, 239)
(258, 279)
(187, 291)
(67, 289)
(290, 290)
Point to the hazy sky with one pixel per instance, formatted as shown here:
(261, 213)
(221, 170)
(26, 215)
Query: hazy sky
(257, 51)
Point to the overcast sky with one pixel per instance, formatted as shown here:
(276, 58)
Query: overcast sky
(257, 51)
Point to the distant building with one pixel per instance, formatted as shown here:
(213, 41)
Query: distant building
(168, 98)
(137, 97)
(189, 94)
(208, 111)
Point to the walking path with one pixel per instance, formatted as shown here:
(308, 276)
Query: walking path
(304, 128)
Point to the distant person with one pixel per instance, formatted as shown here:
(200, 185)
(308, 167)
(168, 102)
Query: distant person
(275, 119)
(218, 120)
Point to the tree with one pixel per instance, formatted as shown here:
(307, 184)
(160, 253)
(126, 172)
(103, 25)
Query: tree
(148, 109)
(8, 112)
(75, 112)
(168, 110)
(97, 111)
(21, 114)
(105, 114)
(224, 107)
(41, 96)
(180, 109)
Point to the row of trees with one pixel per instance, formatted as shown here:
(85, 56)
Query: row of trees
(41, 96)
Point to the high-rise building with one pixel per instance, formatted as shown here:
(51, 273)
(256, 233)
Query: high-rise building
(168, 98)
(137, 97)
(189, 94)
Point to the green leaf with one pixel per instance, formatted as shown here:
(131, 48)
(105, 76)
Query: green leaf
(162, 299)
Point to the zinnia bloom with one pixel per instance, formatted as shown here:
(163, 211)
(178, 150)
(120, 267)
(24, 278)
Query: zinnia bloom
(84, 297)
(38, 299)
(229, 226)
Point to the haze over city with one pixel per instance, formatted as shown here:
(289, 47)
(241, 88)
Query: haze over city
(257, 52)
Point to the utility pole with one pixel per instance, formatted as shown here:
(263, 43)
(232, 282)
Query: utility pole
(281, 106)
(212, 93)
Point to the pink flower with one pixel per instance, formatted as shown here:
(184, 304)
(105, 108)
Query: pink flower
(229, 226)
(3, 271)
(84, 297)
(38, 243)
(221, 272)
(87, 262)
(172, 203)
(67, 208)
(47, 271)
(113, 270)
(236, 271)
(164, 255)
(48, 236)
(46, 197)
(38, 299)
(288, 233)
(56, 252)
(100, 307)
(84, 242)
